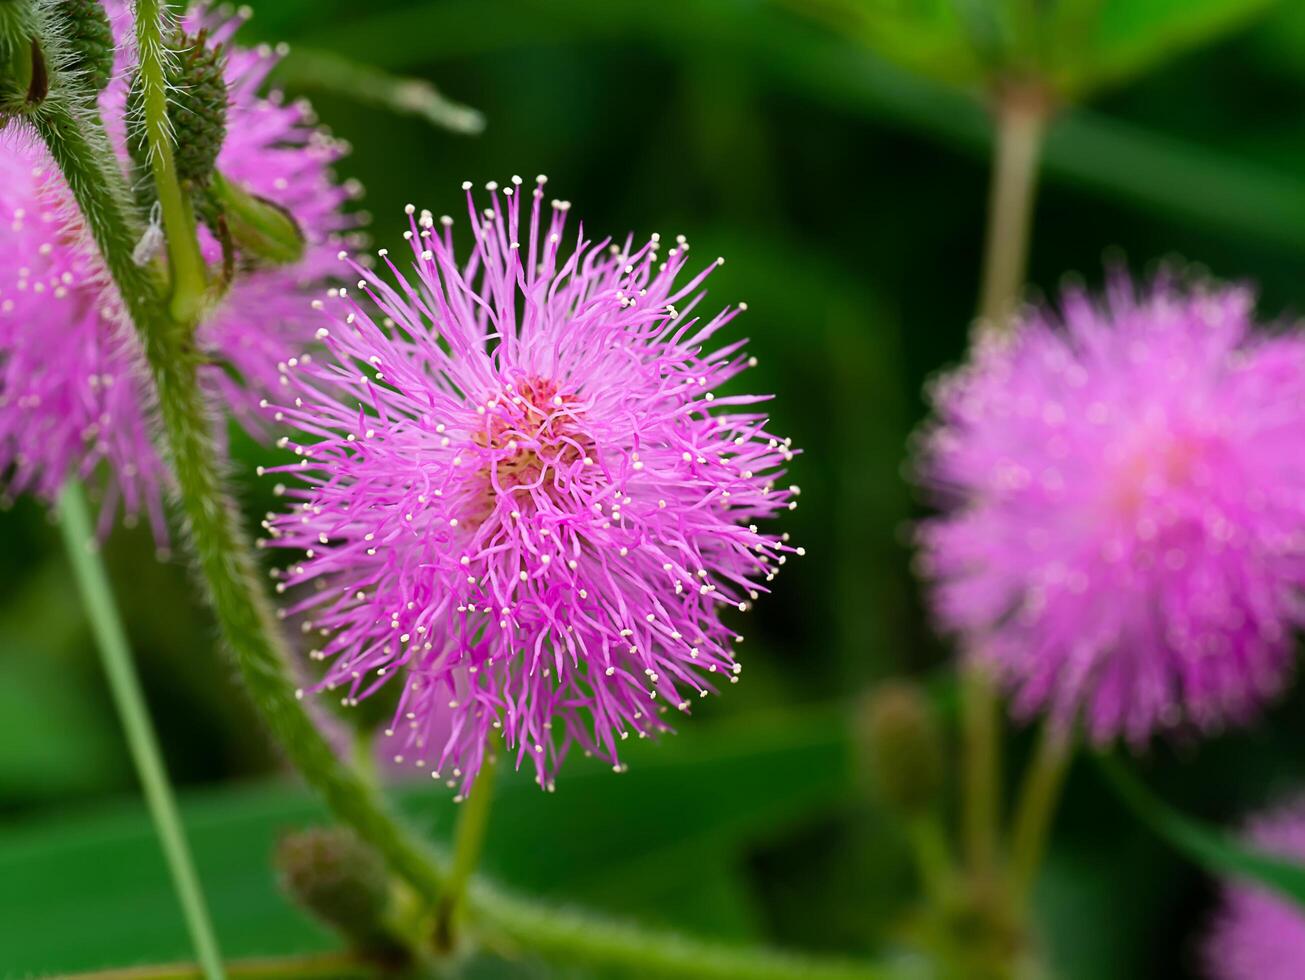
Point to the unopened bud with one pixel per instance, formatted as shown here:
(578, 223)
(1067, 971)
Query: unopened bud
(340, 880)
(197, 109)
(261, 231)
(900, 737)
(90, 41)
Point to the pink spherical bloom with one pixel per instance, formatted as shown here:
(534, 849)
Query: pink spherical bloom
(1123, 487)
(1258, 935)
(72, 390)
(526, 496)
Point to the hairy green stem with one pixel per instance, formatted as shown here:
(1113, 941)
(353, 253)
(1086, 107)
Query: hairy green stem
(224, 556)
(1035, 809)
(115, 655)
(189, 278)
(468, 838)
(250, 629)
(580, 938)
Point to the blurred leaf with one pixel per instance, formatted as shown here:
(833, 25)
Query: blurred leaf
(660, 841)
(1218, 852)
(1074, 46)
(1155, 172)
(311, 70)
(1129, 37)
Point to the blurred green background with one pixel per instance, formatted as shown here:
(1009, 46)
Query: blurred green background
(836, 152)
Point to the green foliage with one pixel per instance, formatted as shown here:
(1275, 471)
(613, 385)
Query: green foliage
(683, 815)
(1072, 46)
(1217, 851)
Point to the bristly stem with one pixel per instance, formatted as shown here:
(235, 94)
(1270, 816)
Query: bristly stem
(189, 277)
(115, 656)
(82, 153)
(468, 838)
(1035, 809)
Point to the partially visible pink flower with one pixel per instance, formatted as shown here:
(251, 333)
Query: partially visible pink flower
(1256, 934)
(1123, 507)
(72, 401)
(529, 501)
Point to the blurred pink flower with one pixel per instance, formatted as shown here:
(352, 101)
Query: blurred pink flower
(1123, 507)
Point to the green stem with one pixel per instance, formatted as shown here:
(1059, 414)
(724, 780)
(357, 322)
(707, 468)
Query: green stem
(1036, 807)
(249, 628)
(225, 560)
(327, 966)
(580, 938)
(929, 844)
(189, 275)
(468, 839)
(1021, 122)
(981, 768)
(115, 655)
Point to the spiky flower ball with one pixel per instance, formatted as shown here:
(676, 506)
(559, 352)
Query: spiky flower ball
(1258, 935)
(1123, 495)
(71, 396)
(528, 501)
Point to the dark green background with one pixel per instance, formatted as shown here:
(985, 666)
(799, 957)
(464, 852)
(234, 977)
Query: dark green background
(848, 197)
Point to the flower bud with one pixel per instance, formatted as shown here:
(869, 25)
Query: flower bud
(90, 41)
(197, 109)
(261, 231)
(903, 746)
(340, 880)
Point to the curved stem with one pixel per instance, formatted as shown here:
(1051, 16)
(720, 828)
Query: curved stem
(578, 937)
(187, 264)
(225, 560)
(981, 768)
(1036, 808)
(468, 838)
(115, 655)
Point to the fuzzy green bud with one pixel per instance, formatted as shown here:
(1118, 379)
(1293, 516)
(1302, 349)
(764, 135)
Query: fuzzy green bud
(903, 745)
(262, 232)
(90, 41)
(197, 109)
(340, 880)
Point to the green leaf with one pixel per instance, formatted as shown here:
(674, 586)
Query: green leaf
(636, 843)
(1129, 37)
(1215, 850)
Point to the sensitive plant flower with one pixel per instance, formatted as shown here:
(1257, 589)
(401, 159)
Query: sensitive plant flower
(70, 387)
(1123, 535)
(1258, 935)
(525, 497)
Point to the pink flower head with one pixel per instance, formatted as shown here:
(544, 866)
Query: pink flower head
(71, 390)
(1123, 488)
(526, 494)
(1258, 935)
